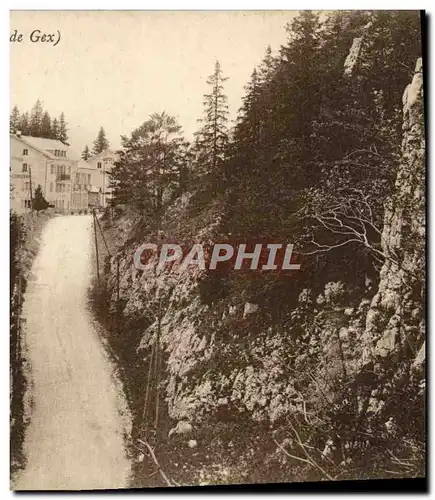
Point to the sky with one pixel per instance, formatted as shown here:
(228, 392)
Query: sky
(115, 68)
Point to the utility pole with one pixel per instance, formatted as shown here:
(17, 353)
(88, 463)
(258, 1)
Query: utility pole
(157, 363)
(117, 277)
(96, 245)
(18, 339)
(31, 190)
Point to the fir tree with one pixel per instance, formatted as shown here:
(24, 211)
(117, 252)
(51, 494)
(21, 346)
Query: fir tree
(101, 143)
(24, 124)
(39, 202)
(14, 121)
(86, 154)
(212, 139)
(54, 129)
(267, 66)
(150, 162)
(36, 119)
(249, 119)
(63, 131)
(46, 125)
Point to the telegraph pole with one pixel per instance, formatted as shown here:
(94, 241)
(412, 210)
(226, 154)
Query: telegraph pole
(96, 245)
(31, 190)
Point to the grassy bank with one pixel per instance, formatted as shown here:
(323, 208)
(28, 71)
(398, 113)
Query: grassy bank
(25, 234)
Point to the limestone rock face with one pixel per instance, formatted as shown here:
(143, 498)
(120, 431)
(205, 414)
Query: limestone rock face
(352, 57)
(355, 51)
(226, 358)
(249, 309)
(395, 317)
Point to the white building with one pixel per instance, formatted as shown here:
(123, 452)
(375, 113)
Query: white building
(90, 181)
(68, 184)
(102, 165)
(38, 161)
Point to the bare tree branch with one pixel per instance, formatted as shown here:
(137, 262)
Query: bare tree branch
(153, 456)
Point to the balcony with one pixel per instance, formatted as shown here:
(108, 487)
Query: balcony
(63, 177)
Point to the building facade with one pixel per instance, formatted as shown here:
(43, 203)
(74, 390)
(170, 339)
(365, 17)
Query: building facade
(90, 182)
(102, 165)
(36, 161)
(70, 185)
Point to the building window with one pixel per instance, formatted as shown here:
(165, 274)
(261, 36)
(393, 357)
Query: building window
(99, 164)
(52, 169)
(51, 187)
(25, 152)
(24, 167)
(89, 178)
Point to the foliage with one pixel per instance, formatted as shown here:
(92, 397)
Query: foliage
(313, 155)
(101, 143)
(39, 202)
(14, 120)
(63, 131)
(212, 139)
(38, 123)
(86, 154)
(151, 165)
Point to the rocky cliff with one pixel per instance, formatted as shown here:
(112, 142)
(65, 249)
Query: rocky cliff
(327, 383)
(395, 320)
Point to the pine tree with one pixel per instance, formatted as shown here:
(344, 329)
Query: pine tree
(14, 121)
(46, 125)
(86, 154)
(36, 119)
(101, 143)
(301, 75)
(212, 139)
(150, 164)
(250, 116)
(24, 124)
(39, 202)
(267, 66)
(54, 129)
(63, 131)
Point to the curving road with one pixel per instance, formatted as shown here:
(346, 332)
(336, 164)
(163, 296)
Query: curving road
(74, 440)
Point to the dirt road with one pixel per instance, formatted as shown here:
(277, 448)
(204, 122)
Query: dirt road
(75, 437)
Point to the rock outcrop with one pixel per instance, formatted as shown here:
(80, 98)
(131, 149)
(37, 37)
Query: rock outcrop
(395, 318)
(226, 361)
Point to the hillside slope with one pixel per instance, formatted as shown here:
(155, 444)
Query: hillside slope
(330, 386)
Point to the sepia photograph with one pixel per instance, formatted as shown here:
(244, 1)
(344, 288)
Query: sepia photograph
(217, 249)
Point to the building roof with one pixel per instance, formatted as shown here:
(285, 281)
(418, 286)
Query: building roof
(83, 164)
(44, 143)
(106, 152)
(40, 150)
